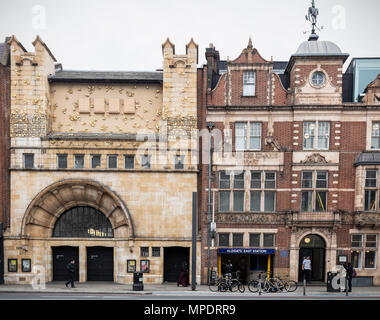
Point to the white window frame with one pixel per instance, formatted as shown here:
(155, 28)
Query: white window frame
(376, 189)
(314, 189)
(249, 83)
(316, 136)
(84, 161)
(377, 136)
(247, 128)
(262, 190)
(363, 249)
(67, 160)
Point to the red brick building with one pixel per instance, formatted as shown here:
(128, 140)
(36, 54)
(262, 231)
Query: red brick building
(302, 176)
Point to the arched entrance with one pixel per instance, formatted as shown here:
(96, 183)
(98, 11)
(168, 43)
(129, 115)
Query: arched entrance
(313, 246)
(83, 222)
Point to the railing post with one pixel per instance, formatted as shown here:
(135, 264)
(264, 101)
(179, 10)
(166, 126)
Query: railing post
(346, 287)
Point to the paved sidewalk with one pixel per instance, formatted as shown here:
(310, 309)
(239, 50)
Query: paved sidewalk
(172, 289)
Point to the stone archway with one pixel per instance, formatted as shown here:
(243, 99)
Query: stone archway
(44, 210)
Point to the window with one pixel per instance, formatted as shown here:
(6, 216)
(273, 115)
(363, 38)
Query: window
(28, 160)
(129, 161)
(237, 239)
(179, 162)
(224, 196)
(83, 222)
(79, 161)
(62, 161)
(370, 259)
(370, 191)
(263, 185)
(375, 137)
(311, 141)
(268, 240)
(224, 239)
(254, 240)
(356, 259)
(95, 161)
(146, 161)
(318, 78)
(144, 251)
(314, 193)
(156, 251)
(249, 79)
(255, 132)
(241, 136)
(255, 136)
(112, 161)
(356, 241)
(238, 195)
(366, 250)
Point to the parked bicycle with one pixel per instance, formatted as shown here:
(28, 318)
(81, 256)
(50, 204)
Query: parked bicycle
(272, 284)
(228, 282)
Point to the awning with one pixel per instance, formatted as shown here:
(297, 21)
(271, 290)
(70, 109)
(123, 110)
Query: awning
(246, 251)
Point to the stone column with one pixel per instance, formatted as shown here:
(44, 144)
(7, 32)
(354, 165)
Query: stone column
(82, 263)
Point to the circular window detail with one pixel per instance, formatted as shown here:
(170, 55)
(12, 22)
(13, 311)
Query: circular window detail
(318, 78)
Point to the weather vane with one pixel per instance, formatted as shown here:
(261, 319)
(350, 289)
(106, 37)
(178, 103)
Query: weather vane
(312, 17)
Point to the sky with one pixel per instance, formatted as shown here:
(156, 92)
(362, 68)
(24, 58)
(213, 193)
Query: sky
(127, 35)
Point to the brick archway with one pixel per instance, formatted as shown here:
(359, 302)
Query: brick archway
(44, 210)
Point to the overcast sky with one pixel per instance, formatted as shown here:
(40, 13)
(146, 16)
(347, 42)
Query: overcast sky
(127, 35)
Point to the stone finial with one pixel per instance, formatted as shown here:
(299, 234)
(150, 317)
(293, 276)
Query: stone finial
(250, 46)
(168, 45)
(38, 41)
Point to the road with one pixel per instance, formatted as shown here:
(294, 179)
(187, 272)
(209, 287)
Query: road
(174, 297)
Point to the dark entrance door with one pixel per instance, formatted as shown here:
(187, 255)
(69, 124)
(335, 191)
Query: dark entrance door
(314, 247)
(99, 264)
(173, 259)
(61, 257)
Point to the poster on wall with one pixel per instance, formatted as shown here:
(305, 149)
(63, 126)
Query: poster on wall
(26, 265)
(12, 265)
(144, 266)
(131, 265)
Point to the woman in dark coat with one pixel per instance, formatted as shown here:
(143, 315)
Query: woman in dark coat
(184, 275)
(349, 274)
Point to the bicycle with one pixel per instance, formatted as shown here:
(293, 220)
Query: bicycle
(268, 285)
(226, 283)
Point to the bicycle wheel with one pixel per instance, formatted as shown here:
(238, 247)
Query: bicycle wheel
(241, 287)
(282, 285)
(293, 285)
(214, 285)
(253, 286)
(234, 285)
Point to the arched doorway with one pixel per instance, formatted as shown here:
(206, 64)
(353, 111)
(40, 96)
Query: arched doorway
(83, 222)
(313, 246)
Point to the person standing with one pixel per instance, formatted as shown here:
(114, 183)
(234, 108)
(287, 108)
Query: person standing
(70, 271)
(349, 275)
(184, 275)
(306, 268)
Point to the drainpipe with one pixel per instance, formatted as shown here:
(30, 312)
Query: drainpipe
(210, 126)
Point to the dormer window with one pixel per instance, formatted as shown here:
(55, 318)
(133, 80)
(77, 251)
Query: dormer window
(318, 78)
(249, 81)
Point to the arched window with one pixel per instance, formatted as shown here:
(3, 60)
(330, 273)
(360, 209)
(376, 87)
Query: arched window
(83, 222)
(312, 241)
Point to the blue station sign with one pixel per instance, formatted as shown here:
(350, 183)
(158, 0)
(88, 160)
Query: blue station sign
(247, 251)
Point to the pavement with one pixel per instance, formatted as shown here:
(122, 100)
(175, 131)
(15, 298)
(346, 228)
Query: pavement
(171, 289)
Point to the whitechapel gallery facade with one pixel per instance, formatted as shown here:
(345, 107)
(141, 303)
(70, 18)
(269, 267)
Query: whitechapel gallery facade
(87, 182)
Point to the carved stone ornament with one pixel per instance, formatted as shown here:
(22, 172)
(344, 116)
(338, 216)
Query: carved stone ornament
(315, 158)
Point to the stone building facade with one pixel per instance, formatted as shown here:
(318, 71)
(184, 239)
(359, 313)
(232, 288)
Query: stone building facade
(302, 175)
(97, 172)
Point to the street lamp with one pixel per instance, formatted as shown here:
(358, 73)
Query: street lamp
(210, 126)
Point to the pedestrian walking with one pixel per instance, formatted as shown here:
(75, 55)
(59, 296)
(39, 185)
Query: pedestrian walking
(306, 268)
(70, 272)
(349, 275)
(184, 275)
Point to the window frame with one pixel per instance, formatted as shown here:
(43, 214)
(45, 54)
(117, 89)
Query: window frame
(316, 134)
(64, 155)
(100, 161)
(249, 83)
(75, 163)
(365, 249)
(314, 190)
(264, 190)
(368, 189)
(25, 155)
(130, 156)
(109, 156)
(249, 134)
(375, 123)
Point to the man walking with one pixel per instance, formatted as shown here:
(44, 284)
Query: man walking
(349, 275)
(306, 267)
(70, 272)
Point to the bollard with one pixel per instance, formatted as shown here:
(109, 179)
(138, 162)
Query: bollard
(346, 287)
(304, 287)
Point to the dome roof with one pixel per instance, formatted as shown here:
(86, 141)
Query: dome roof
(318, 48)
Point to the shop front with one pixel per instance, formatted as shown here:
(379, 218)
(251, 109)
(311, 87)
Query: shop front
(249, 262)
